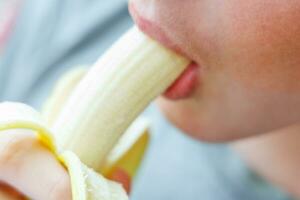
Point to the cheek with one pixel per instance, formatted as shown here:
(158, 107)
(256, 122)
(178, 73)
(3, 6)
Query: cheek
(261, 48)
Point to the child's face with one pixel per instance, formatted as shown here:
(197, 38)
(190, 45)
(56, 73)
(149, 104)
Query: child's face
(249, 57)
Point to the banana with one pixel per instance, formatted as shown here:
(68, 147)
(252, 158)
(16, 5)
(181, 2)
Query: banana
(127, 154)
(61, 92)
(83, 179)
(82, 134)
(134, 71)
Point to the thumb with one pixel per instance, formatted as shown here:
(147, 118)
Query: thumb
(29, 167)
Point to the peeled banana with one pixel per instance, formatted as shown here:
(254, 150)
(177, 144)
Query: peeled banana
(83, 132)
(125, 157)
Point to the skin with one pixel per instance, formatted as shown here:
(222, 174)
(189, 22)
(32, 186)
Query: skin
(248, 80)
(249, 57)
(275, 156)
(27, 168)
(30, 168)
(248, 84)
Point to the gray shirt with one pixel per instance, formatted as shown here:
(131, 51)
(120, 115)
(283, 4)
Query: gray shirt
(51, 36)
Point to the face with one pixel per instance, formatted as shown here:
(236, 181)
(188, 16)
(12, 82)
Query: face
(248, 52)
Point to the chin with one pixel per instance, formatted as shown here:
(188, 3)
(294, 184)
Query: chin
(190, 123)
(200, 127)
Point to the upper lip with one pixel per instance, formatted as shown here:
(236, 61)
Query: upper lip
(153, 30)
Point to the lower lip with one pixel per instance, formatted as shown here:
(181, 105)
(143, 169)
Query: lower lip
(185, 85)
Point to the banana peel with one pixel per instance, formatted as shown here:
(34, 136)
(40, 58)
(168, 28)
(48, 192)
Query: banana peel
(86, 184)
(122, 163)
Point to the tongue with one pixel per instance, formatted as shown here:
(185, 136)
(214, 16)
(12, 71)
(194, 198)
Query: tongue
(184, 86)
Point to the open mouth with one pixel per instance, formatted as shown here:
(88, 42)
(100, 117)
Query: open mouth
(184, 86)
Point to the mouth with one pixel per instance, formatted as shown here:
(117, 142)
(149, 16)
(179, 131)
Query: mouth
(187, 82)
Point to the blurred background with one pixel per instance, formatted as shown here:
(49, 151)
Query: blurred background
(8, 11)
(42, 39)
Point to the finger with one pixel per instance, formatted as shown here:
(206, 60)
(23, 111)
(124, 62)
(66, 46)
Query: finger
(122, 177)
(29, 167)
(8, 193)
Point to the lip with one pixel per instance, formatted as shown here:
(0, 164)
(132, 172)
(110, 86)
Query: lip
(152, 30)
(185, 84)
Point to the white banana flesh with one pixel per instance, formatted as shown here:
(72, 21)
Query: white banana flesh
(110, 96)
(115, 90)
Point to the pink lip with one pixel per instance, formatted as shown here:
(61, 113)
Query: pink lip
(152, 30)
(184, 86)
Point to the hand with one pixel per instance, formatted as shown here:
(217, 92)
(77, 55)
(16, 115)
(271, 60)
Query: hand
(30, 168)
